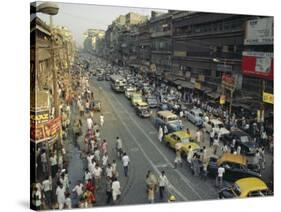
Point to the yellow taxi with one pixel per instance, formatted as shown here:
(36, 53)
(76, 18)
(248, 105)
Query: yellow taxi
(136, 98)
(181, 140)
(245, 187)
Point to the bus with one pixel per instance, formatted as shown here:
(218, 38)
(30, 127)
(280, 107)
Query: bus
(118, 83)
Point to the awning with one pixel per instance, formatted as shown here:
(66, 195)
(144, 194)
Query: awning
(213, 95)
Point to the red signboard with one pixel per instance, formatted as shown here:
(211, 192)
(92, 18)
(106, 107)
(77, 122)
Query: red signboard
(45, 131)
(258, 64)
(228, 81)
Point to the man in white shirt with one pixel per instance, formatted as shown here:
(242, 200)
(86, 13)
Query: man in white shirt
(163, 182)
(97, 175)
(219, 179)
(36, 198)
(118, 146)
(101, 120)
(47, 189)
(60, 192)
(125, 161)
(78, 189)
(88, 175)
(116, 189)
(89, 123)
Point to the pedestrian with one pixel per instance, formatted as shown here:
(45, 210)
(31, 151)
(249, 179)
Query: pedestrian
(216, 144)
(178, 158)
(101, 120)
(165, 130)
(233, 144)
(114, 169)
(151, 194)
(238, 150)
(47, 189)
(219, 178)
(44, 161)
(104, 160)
(60, 193)
(97, 154)
(109, 171)
(68, 202)
(225, 148)
(97, 175)
(163, 182)
(89, 123)
(64, 181)
(54, 164)
(125, 161)
(88, 175)
(118, 146)
(116, 189)
(189, 155)
(196, 165)
(108, 187)
(36, 198)
(78, 190)
(262, 158)
(204, 170)
(160, 134)
(198, 136)
(104, 147)
(212, 135)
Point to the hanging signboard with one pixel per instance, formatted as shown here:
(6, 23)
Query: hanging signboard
(258, 64)
(45, 131)
(228, 81)
(222, 99)
(201, 77)
(260, 116)
(197, 85)
(268, 98)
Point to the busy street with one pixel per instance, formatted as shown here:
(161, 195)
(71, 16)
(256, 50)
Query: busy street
(120, 133)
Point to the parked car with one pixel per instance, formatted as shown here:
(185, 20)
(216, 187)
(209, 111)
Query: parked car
(217, 125)
(248, 147)
(235, 167)
(100, 77)
(152, 101)
(181, 140)
(245, 187)
(129, 91)
(136, 98)
(168, 119)
(195, 116)
(142, 110)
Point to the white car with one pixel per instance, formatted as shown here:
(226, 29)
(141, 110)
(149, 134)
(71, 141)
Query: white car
(217, 125)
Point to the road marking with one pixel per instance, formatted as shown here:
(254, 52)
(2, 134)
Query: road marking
(134, 149)
(165, 165)
(142, 150)
(152, 132)
(188, 182)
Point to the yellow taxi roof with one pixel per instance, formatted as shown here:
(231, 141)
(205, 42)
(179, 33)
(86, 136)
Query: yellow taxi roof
(142, 104)
(182, 134)
(136, 94)
(240, 159)
(249, 184)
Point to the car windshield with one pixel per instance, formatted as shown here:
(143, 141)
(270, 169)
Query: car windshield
(185, 140)
(244, 139)
(236, 189)
(220, 126)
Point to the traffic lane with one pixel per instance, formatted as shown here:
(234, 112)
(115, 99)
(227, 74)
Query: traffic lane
(196, 190)
(133, 188)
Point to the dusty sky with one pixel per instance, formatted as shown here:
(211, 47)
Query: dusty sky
(80, 17)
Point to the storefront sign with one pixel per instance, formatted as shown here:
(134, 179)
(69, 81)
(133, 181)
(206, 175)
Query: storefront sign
(259, 32)
(268, 98)
(222, 99)
(258, 64)
(228, 81)
(39, 117)
(45, 131)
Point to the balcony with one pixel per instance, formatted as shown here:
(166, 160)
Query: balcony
(161, 34)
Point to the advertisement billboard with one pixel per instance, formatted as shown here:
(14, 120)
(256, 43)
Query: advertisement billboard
(259, 32)
(258, 64)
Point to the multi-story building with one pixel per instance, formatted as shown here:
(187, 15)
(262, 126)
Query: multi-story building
(207, 48)
(161, 41)
(93, 36)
